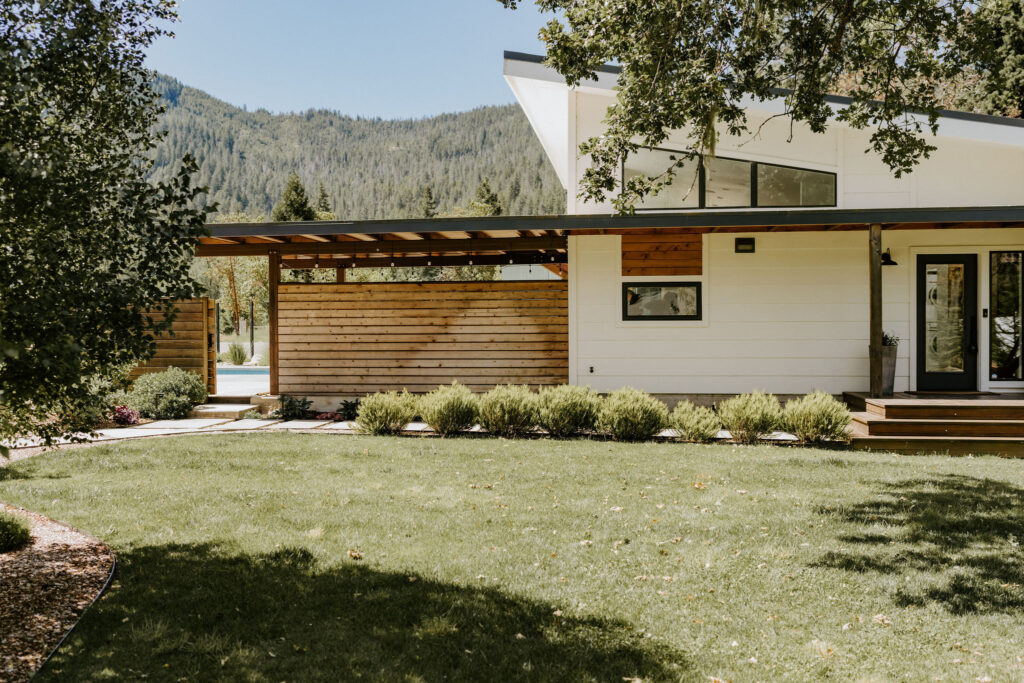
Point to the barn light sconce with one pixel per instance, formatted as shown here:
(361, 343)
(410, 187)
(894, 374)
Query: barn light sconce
(887, 259)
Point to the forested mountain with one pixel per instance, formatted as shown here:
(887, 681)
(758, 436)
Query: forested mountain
(370, 168)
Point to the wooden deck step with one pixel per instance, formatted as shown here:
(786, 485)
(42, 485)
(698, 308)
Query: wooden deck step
(875, 425)
(925, 445)
(953, 407)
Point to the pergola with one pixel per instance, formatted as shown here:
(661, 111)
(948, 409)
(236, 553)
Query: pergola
(543, 240)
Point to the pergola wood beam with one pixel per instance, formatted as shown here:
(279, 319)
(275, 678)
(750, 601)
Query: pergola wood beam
(532, 257)
(387, 247)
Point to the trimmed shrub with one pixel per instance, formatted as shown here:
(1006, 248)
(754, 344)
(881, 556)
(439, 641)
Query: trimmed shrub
(567, 410)
(449, 409)
(509, 410)
(632, 415)
(237, 354)
(123, 415)
(293, 408)
(252, 415)
(386, 413)
(695, 423)
(748, 416)
(167, 395)
(816, 417)
(13, 532)
(349, 410)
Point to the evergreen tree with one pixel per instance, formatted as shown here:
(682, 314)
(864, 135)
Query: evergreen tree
(323, 204)
(428, 207)
(294, 204)
(487, 202)
(1000, 57)
(245, 157)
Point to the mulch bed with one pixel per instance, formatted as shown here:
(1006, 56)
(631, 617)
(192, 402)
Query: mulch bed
(44, 588)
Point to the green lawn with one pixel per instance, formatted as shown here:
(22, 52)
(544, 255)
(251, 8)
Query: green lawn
(537, 560)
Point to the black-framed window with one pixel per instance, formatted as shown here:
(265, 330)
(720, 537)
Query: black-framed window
(723, 182)
(1006, 322)
(661, 301)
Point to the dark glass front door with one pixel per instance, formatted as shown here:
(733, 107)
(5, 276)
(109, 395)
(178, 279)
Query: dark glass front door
(947, 322)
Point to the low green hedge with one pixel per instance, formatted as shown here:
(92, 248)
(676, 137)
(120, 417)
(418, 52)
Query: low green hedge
(166, 395)
(509, 410)
(632, 415)
(749, 416)
(627, 414)
(816, 418)
(449, 410)
(568, 410)
(695, 423)
(385, 412)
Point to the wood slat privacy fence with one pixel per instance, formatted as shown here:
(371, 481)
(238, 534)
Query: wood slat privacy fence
(190, 347)
(351, 339)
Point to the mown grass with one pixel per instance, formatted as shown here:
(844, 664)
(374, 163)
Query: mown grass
(486, 559)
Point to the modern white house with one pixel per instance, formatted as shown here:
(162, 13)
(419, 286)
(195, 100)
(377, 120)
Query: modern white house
(787, 310)
(776, 266)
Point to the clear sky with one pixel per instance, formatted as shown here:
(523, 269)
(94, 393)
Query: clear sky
(387, 58)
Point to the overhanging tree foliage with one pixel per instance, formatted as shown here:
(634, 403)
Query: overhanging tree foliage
(687, 65)
(87, 245)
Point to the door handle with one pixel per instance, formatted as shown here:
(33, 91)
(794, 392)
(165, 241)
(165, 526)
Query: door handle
(972, 341)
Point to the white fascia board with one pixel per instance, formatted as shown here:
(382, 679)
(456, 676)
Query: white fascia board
(546, 106)
(992, 132)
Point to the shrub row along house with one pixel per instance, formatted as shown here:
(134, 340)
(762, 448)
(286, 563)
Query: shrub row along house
(774, 265)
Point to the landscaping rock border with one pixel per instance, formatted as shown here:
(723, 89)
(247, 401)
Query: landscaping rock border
(44, 589)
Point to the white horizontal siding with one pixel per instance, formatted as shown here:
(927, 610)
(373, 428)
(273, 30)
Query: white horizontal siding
(790, 318)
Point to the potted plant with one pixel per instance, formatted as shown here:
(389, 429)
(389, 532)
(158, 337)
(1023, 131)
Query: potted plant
(890, 342)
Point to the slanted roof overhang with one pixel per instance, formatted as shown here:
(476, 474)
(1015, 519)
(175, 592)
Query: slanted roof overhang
(536, 239)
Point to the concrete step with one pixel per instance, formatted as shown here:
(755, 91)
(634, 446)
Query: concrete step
(231, 411)
(224, 398)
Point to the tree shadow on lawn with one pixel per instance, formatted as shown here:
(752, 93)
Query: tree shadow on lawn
(965, 530)
(192, 612)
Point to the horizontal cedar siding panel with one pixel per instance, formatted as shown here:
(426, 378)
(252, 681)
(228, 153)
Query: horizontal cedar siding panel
(361, 338)
(186, 345)
(665, 254)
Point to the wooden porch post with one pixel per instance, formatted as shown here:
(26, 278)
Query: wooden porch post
(339, 274)
(875, 306)
(275, 280)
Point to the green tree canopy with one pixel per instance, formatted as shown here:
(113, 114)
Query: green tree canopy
(88, 245)
(690, 65)
(294, 204)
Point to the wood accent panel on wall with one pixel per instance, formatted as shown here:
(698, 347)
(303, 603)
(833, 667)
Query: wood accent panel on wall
(659, 252)
(353, 338)
(189, 347)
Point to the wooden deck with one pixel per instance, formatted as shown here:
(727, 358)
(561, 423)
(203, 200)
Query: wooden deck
(954, 423)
